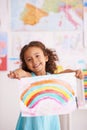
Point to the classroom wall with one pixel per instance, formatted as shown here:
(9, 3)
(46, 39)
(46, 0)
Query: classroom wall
(70, 45)
(78, 120)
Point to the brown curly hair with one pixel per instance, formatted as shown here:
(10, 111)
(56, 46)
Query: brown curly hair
(52, 56)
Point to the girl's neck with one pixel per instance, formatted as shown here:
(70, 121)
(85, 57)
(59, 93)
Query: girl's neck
(40, 74)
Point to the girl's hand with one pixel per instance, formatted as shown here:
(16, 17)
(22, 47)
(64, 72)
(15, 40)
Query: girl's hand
(18, 74)
(79, 74)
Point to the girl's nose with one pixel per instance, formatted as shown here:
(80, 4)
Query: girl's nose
(34, 60)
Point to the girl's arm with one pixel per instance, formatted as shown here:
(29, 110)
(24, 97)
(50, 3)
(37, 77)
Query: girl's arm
(78, 73)
(19, 73)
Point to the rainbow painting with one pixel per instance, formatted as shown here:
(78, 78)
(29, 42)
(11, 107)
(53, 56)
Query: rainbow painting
(48, 95)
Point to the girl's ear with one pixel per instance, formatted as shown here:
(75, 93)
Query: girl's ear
(46, 58)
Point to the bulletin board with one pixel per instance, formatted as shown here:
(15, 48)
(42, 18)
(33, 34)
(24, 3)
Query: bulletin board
(59, 24)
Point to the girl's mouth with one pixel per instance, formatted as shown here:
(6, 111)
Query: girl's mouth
(36, 66)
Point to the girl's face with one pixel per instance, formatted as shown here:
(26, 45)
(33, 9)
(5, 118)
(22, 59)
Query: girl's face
(36, 60)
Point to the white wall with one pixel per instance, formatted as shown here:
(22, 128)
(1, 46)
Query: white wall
(78, 120)
(9, 106)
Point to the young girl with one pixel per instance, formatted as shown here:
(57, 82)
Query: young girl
(37, 60)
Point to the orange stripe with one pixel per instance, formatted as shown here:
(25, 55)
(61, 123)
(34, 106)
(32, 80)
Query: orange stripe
(54, 81)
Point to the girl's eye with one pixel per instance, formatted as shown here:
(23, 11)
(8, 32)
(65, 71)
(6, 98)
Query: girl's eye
(37, 56)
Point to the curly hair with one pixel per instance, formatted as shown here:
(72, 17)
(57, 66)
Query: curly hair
(52, 56)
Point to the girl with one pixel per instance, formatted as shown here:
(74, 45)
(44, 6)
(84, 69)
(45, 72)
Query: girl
(37, 60)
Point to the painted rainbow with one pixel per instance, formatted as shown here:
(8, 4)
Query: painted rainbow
(52, 89)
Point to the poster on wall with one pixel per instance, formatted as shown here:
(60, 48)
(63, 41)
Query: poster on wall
(4, 13)
(85, 23)
(66, 48)
(46, 15)
(19, 39)
(3, 51)
(48, 95)
(85, 83)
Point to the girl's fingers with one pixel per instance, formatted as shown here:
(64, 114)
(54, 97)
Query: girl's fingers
(13, 74)
(79, 74)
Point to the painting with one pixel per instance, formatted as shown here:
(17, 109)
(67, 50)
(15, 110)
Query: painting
(48, 95)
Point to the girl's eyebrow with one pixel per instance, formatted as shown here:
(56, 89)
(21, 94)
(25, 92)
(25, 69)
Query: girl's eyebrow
(36, 53)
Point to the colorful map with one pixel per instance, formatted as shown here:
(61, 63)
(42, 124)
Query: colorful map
(46, 15)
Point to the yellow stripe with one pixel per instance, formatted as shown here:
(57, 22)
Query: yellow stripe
(46, 88)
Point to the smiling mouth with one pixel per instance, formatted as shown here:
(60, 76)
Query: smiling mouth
(36, 66)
